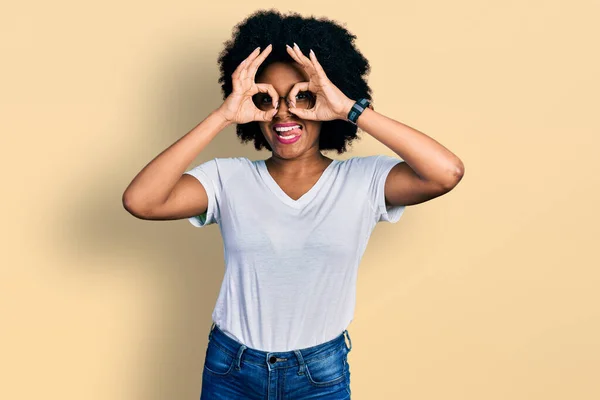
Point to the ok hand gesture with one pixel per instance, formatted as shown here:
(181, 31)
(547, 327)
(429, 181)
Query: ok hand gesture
(239, 107)
(331, 103)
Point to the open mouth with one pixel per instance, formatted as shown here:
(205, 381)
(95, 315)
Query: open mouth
(289, 131)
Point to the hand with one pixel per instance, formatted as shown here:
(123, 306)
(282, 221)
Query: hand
(331, 103)
(239, 107)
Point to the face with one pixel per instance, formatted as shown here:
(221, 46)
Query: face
(283, 76)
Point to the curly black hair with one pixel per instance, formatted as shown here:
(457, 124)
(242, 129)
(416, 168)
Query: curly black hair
(333, 44)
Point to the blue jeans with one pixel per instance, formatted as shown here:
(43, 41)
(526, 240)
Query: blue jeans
(233, 371)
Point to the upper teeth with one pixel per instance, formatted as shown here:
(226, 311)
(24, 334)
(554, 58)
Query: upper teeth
(286, 128)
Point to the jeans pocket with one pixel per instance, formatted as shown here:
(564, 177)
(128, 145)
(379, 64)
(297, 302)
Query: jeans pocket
(328, 370)
(217, 362)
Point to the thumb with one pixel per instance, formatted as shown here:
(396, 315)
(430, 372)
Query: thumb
(301, 113)
(268, 115)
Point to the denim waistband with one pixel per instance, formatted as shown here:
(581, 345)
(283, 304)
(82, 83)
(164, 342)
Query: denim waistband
(275, 359)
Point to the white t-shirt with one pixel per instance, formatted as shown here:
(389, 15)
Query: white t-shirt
(291, 265)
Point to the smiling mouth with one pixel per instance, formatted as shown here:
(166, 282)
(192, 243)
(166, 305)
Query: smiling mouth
(294, 131)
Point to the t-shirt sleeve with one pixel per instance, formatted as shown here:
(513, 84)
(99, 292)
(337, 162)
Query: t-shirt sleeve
(381, 167)
(208, 175)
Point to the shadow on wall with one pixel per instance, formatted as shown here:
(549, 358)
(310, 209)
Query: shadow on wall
(187, 262)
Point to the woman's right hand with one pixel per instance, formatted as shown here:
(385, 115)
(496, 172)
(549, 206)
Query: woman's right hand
(239, 107)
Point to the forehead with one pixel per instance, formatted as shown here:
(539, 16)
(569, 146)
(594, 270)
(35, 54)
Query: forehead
(282, 75)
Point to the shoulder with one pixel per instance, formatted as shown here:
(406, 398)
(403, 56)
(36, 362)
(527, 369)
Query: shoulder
(371, 163)
(228, 163)
(361, 161)
(358, 168)
(220, 168)
(371, 168)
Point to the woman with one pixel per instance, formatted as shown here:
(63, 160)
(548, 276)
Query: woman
(295, 225)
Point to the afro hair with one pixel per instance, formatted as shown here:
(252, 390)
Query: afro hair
(334, 45)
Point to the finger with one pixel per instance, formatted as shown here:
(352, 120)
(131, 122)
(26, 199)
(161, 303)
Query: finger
(317, 65)
(248, 61)
(293, 54)
(305, 61)
(294, 92)
(253, 67)
(265, 115)
(235, 77)
(243, 65)
(303, 114)
(239, 69)
(268, 88)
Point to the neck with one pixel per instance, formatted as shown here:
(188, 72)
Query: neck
(300, 166)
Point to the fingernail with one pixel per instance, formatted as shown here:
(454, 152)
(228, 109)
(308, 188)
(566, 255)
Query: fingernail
(288, 46)
(274, 112)
(258, 48)
(295, 45)
(312, 52)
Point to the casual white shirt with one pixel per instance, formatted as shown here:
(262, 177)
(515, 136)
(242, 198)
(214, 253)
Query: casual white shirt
(291, 265)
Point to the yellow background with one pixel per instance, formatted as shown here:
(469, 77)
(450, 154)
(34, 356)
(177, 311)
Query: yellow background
(488, 292)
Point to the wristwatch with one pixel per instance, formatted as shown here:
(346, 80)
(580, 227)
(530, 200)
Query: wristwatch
(357, 109)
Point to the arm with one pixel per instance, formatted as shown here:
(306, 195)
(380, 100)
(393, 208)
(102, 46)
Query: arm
(429, 170)
(160, 190)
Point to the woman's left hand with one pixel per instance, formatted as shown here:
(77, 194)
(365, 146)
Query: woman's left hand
(331, 102)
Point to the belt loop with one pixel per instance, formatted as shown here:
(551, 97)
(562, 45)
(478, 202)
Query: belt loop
(350, 340)
(239, 357)
(300, 361)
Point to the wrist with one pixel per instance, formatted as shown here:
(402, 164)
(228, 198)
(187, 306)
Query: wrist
(221, 117)
(357, 110)
(346, 109)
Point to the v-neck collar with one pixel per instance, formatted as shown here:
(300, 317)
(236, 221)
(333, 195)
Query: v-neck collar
(278, 191)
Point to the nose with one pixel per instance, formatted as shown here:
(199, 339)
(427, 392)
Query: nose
(283, 103)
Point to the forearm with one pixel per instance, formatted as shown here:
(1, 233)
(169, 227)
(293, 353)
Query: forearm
(428, 158)
(154, 183)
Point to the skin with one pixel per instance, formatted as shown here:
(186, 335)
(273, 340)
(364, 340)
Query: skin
(303, 158)
(160, 191)
(430, 170)
(301, 161)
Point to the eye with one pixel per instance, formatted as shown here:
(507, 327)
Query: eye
(303, 95)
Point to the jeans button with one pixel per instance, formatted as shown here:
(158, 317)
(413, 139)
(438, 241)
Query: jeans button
(272, 359)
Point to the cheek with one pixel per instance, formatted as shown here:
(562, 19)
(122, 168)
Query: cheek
(264, 129)
(314, 128)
